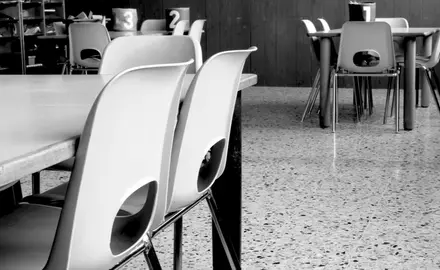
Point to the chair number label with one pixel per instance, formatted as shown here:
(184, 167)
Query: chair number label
(128, 22)
(367, 11)
(176, 15)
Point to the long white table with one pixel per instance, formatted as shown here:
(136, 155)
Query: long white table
(41, 119)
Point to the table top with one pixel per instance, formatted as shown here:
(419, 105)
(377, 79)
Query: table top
(398, 32)
(42, 117)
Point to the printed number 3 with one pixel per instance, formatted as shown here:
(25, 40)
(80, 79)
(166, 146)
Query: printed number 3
(176, 15)
(128, 23)
(367, 13)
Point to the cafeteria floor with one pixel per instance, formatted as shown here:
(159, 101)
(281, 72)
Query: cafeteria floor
(363, 198)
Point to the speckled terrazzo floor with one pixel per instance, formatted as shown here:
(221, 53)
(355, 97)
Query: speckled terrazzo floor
(363, 198)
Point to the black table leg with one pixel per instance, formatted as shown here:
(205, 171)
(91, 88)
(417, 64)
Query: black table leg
(9, 198)
(227, 192)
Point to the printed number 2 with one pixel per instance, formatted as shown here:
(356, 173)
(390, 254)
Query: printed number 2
(128, 23)
(367, 10)
(176, 15)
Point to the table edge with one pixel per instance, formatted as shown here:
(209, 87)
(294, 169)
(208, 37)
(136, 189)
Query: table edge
(14, 169)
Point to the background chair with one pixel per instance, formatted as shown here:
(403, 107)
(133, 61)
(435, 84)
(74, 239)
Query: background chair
(179, 29)
(399, 49)
(116, 157)
(87, 42)
(428, 64)
(366, 49)
(150, 49)
(153, 25)
(315, 48)
(361, 85)
(196, 29)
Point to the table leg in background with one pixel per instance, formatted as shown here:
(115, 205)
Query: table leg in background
(324, 102)
(426, 92)
(227, 194)
(409, 95)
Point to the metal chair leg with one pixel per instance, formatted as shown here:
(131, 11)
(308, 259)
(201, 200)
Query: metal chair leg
(417, 86)
(227, 245)
(356, 98)
(370, 95)
(437, 82)
(335, 102)
(397, 96)
(337, 95)
(318, 89)
(178, 227)
(151, 257)
(309, 103)
(36, 183)
(393, 103)
(387, 100)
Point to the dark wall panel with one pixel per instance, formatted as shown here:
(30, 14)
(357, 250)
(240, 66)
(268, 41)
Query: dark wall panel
(274, 26)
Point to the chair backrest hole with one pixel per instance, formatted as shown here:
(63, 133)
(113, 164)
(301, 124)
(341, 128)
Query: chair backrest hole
(210, 166)
(367, 58)
(90, 53)
(133, 218)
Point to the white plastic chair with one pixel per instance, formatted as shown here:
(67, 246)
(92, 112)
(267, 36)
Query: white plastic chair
(324, 24)
(366, 49)
(204, 124)
(150, 49)
(144, 50)
(153, 25)
(196, 29)
(181, 26)
(428, 64)
(87, 36)
(396, 23)
(116, 157)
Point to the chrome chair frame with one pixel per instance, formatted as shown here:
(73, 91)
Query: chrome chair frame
(176, 218)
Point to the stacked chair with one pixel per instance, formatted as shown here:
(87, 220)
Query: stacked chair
(212, 93)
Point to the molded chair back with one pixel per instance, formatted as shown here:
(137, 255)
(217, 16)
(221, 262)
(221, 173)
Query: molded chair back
(181, 26)
(150, 50)
(395, 22)
(196, 29)
(435, 55)
(372, 38)
(91, 36)
(205, 123)
(125, 145)
(153, 25)
(325, 25)
(315, 44)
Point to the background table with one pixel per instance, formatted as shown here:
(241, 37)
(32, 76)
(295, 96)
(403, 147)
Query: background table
(410, 35)
(42, 118)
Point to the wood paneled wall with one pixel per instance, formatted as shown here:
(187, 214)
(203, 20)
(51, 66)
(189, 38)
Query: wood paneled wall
(283, 57)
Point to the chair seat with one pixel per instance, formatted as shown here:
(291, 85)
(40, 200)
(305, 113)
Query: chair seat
(55, 197)
(27, 235)
(90, 63)
(420, 60)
